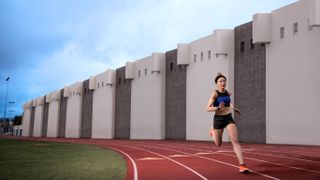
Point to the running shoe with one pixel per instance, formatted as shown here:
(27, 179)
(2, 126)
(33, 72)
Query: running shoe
(243, 169)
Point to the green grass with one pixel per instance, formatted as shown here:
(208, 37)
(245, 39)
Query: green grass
(48, 160)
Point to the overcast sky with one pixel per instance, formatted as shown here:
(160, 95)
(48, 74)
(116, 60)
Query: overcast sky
(47, 44)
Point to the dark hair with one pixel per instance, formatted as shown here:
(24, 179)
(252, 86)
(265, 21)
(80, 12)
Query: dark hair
(219, 75)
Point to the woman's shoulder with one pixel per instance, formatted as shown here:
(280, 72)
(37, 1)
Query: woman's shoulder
(228, 92)
(214, 93)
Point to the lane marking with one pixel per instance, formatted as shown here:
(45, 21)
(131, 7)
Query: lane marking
(249, 149)
(135, 170)
(204, 153)
(149, 158)
(284, 157)
(193, 171)
(179, 155)
(255, 159)
(221, 151)
(210, 159)
(291, 151)
(292, 167)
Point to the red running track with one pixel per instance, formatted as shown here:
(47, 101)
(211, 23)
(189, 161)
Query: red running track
(203, 160)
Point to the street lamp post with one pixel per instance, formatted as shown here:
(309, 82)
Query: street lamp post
(6, 99)
(9, 107)
(10, 111)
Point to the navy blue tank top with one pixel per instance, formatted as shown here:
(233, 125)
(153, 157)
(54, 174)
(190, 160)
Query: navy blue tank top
(222, 97)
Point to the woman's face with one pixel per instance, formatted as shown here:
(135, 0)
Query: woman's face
(222, 83)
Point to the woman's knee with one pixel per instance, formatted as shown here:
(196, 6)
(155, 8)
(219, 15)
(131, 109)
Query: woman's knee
(234, 140)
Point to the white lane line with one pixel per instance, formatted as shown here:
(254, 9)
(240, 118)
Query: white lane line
(224, 151)
(193, 171)
(210, 159)
(149, 159)
(178, 155)
(291, 151)
(204, 153)
(292, 167)
(255, 159)
(283, 157)
(135, 170)
(249, 149)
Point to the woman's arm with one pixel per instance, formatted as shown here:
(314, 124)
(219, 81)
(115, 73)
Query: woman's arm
(210, 107)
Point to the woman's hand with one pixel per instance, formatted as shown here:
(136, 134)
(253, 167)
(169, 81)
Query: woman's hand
(221, 106)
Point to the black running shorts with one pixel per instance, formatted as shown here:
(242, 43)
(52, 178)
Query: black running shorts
(222, 121)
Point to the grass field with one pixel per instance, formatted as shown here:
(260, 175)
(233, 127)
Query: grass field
(48, 160)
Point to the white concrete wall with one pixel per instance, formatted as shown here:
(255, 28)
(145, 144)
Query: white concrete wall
(37, 131)
(293, 98)
(261, 28)
(73, 120)
(53, 114)
(26, 119)
(148, 99)
(200, 80)
(104, 105)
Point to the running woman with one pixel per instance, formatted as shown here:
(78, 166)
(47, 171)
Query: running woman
(220, 103)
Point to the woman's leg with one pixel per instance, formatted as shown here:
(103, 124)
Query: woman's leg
(233, 135)
(217, 133)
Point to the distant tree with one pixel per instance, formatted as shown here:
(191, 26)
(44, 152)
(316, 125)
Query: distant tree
(17, 120)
